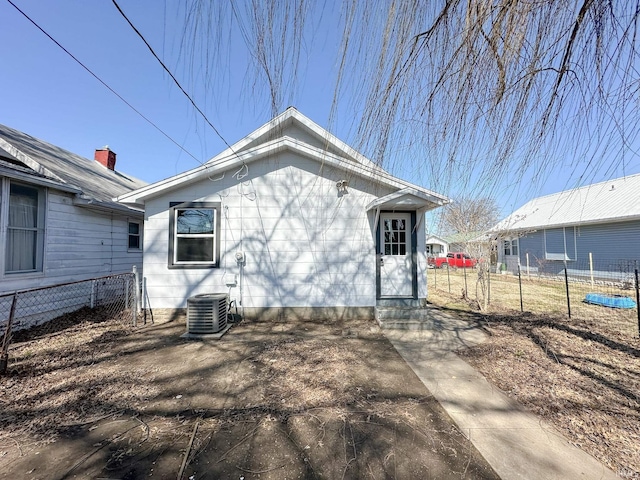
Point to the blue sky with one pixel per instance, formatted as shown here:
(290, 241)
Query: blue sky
(48, 95)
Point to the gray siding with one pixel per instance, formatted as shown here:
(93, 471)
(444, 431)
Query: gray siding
(611, 245)
(79, 244)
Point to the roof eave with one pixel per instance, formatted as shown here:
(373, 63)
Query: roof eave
(38, 180)
(138, 197)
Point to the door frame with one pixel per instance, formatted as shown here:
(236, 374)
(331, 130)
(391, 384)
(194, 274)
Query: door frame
(414, 256)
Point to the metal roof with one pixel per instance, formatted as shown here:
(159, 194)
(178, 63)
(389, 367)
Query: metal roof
(94, 180)
(610, 201)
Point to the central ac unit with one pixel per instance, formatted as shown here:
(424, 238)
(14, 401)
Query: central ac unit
(207, 313)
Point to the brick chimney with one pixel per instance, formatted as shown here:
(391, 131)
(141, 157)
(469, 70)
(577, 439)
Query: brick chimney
(106, 157)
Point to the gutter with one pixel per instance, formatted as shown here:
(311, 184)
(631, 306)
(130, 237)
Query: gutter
(94, 204)
(35, 179)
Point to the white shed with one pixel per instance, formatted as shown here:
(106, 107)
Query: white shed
(287, 221)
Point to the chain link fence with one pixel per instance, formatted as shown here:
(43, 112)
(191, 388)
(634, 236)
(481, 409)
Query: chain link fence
(577, 289)
(49, 311)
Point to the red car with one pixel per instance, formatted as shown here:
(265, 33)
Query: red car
(453, 260)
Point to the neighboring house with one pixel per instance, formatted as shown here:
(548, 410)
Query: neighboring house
(436, 246)
(460, 242)
(598, 222)
(288, 221)
(58, 222)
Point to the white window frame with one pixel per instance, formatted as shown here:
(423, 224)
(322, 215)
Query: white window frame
(5, 228)
(572, 232)
(512, 246)
(174, 236)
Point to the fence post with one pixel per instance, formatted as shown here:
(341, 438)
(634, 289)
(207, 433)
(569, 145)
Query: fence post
(520, 284)
(448, 279)
(591, 267)
(127, 287)
(566, 282)
(466, 290)
(528, 271)
(144, 299)
(138, 298)
(488, 284)
(92, 300)
(136, 295)
(4, 356)
(638, 301)
(435, 278)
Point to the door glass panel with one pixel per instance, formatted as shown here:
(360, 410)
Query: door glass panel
(395, 237)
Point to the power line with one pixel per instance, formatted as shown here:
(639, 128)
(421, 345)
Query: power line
(104, 83)
(171, 75)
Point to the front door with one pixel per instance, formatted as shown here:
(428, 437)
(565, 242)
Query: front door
(396, 255)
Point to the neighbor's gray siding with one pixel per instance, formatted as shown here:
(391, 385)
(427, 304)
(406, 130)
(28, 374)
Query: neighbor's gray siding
(79, 244)
(609, 244)
(532, 244)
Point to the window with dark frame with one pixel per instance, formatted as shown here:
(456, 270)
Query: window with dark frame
(507, 247)
(194, 241)
(134, 235)
(511, 247)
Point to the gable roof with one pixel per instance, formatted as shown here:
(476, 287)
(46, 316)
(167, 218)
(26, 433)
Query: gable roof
(435, 239)
(610, 201)
(292, 131)
(48, 164)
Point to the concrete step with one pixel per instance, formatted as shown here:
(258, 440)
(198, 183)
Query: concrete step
(401, 313)
(404, 317)
(413, 325)
(401, 302)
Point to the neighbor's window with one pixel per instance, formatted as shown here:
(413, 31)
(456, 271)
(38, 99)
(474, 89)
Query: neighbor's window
(194, 238)
(560, 243)
(511, 247)
(134, 235)
(507, 247)
(25, 229)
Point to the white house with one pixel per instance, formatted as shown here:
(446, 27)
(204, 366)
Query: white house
(288, 221)
(437, 246)
(58, 222)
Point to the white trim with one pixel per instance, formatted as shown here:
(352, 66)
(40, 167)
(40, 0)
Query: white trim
(27, 160)
(424, 196)
(37, 180)
(235, 156)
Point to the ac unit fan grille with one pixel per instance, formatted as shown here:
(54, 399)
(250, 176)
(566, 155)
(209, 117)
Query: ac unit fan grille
(207, 313)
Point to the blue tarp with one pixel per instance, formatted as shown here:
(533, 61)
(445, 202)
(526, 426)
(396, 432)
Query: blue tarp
(613, 301)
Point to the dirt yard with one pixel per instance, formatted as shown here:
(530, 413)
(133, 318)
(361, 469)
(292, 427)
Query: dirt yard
(581, 375)
(268, 401)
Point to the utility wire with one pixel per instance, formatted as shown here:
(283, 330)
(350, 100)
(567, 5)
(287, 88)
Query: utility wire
(104, 83)
(171, 75)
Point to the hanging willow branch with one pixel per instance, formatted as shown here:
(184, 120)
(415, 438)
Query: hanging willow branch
(471, 93)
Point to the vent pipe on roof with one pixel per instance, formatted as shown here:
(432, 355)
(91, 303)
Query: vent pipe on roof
(105, 157)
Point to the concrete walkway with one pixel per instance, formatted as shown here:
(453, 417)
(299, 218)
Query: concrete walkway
(517, 444)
